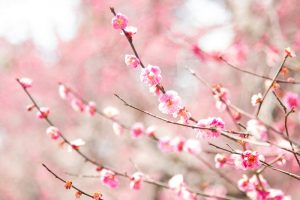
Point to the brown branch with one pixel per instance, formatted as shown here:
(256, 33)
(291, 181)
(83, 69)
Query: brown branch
(271, 85)
(64, 181)
(254, 74)
(87, 159)
(286, 115)
(295, 176)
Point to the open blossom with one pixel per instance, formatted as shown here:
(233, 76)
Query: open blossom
(184, 115)
(257, 129)
(291, 100)
(222, 97)
(211, 122)
(131, 61)
(176, 182)
(289, 52)
(53, 132)
(137, 130)
(63, 91)
(76, 144)
(170, 102)
(91, 108)
(256, 99)
(43, 112)
(177, 144)
(192, 146)
(251, 159)
(221, 160)
(164, 144)
(111, 112)
(151, 75)
(243, 184)
(25, 82)
(136, 180)
(77, 105)
(119, 21)
(109, 178)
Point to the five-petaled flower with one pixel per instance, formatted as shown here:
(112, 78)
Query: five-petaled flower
(210, 127)
(151, 75)
(170, 102)
(131, 61)
(135, 180)
(109, 178)
(256, 99)
(119, 21)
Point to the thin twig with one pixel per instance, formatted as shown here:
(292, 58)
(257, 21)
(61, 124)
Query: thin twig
(271, 85)
(64, 181)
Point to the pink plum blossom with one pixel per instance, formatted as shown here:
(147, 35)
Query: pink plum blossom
(251, 159)
(291, 100)
(192, 146)
(177, 144)
(184, 115)
(77, 105)
(256, 99)
(43, 112)
(131, 61)
(220, 160)
(135, 180)
(111, 112)
(211, 122)
(109, 178)
(53, 132)
(130, 31)
(164, 144)
(170, 102)
(176, 182)
(119, 21)
(151, 75)
(25, 82)
(91, 108)
(137, 130)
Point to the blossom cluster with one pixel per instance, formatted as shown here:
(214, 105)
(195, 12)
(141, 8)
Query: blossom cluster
(241, 160)
(76, 103)
(257, 188)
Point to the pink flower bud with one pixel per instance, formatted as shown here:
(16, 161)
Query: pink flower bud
(137, 130)
(25, 82)
(91, 108)
(109, 178)
(53, 132)
(43, 112)
(136, 180)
